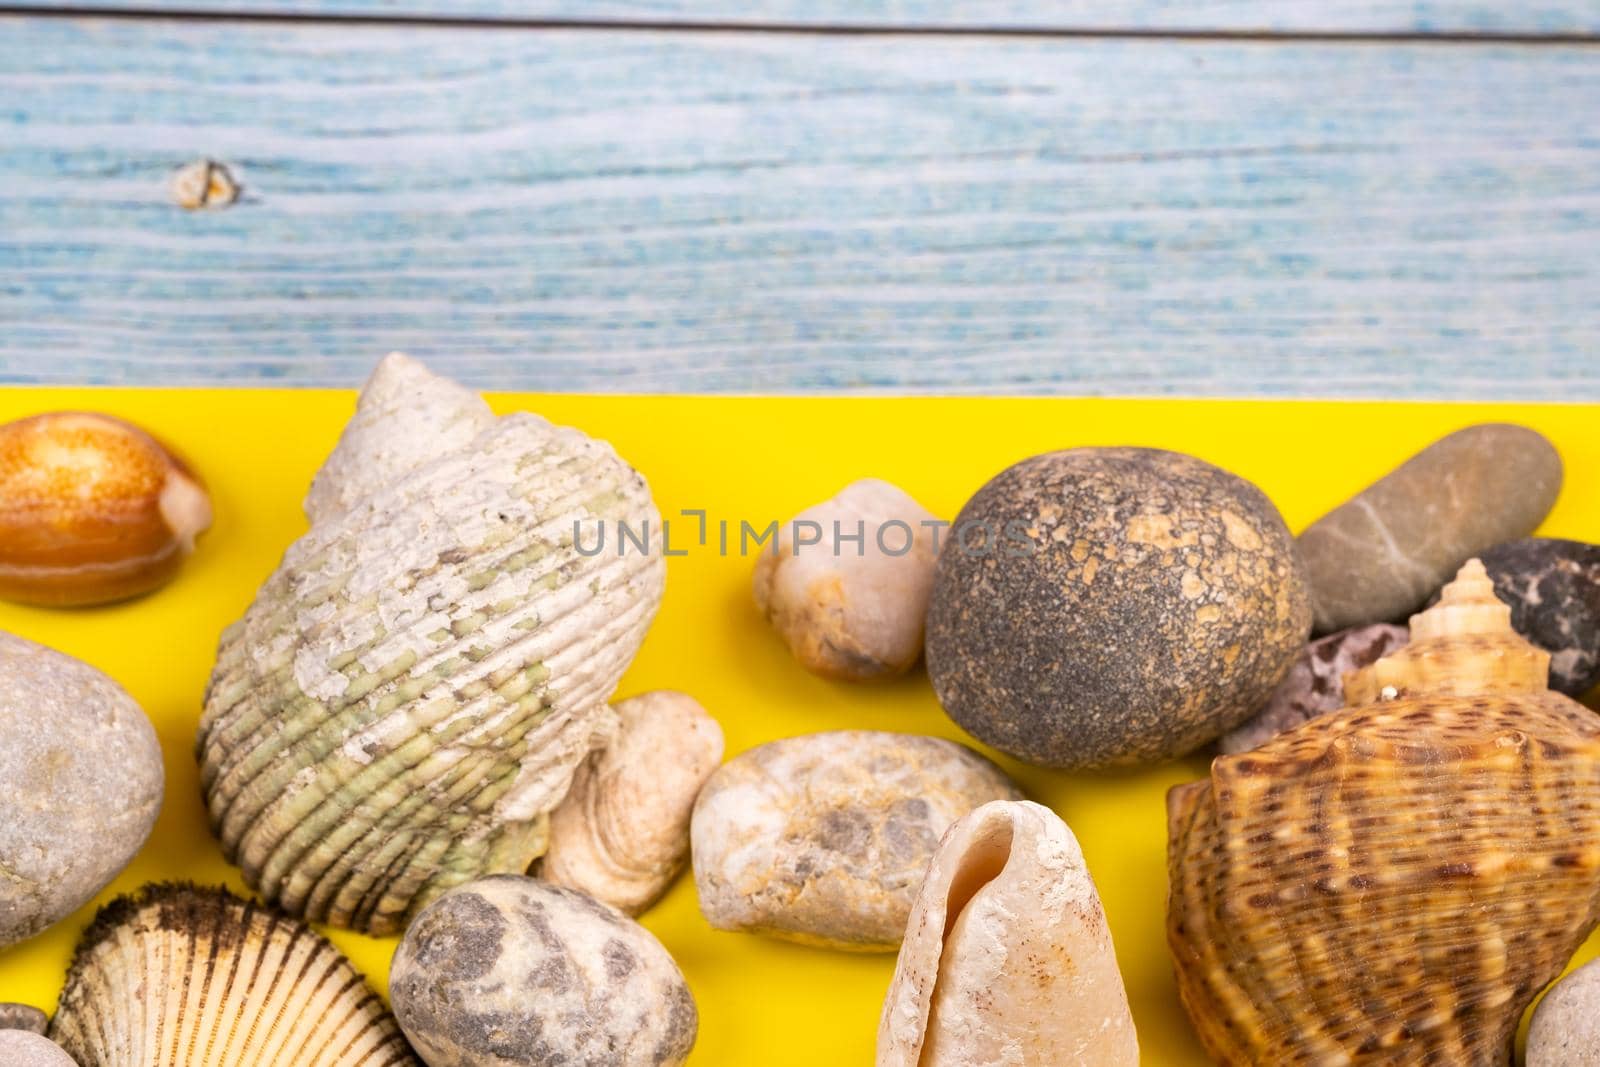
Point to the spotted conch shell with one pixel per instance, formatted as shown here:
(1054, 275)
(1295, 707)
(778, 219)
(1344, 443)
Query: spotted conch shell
(1393, 883)
(410, 693)
(1007, 960)
(176, 976)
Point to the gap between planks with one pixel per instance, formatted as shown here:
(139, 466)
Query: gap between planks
(621, 25)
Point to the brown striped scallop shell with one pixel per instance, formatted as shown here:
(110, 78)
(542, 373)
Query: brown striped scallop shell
(176, 976)
(1395, 882)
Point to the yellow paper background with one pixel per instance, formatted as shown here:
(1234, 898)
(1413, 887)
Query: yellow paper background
(761, 1002)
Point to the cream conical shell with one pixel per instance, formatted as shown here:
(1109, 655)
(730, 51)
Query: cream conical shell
(182, 977)
(410, 693)
(1007, 959)
(1392, 884)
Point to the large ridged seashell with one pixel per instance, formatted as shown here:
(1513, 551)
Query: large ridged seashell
(1394, 883)
(1007, 960)
(182, 977)
(412, 689)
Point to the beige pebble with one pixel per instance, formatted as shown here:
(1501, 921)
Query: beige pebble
(23, 1048)
(81, 781)
(1565, 1031)
(850, 606)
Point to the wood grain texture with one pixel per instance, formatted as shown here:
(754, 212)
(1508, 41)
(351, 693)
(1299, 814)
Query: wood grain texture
(635, 211)
(1498, 17)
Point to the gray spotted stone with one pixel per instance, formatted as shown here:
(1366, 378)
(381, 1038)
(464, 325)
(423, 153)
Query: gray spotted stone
(1553, 587)
(1132, 605)
(509, 971)
(82, 781)
(23, 1048)
(1565, 1031)
(23, 1017)
(1315, 683)
(1379, 556)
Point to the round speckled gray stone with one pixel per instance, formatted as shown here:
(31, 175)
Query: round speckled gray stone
(82, 777)
(1379, 556)
(1565, 1031)
(1553, 588)
(1110, 606)
(23, 1048)
(23, 1017)
(508, 971)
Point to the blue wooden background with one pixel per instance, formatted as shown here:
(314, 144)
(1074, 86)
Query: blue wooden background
(1248, 197)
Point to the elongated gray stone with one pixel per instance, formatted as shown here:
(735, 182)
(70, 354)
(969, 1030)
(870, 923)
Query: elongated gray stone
(1381, 554)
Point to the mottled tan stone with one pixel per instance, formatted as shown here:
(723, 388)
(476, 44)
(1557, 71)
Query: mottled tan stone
(824, 838)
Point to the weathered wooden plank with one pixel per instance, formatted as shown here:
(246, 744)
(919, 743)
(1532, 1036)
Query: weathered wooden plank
(1492, 17)
(711, 212)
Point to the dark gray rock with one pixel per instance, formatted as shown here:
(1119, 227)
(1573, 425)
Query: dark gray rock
(508, 971)
(1111, 606)
(1553, 587)
(80, 785)
(1380, 555)
(23, 1017)
(1315, 683)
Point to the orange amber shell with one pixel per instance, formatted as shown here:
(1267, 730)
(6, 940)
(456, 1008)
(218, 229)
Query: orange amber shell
(92, 509)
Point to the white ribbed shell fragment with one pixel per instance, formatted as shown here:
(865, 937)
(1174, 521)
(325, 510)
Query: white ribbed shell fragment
(622, 834)
(412, 689)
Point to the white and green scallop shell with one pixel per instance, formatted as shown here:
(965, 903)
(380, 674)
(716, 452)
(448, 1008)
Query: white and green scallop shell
(413, 688)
